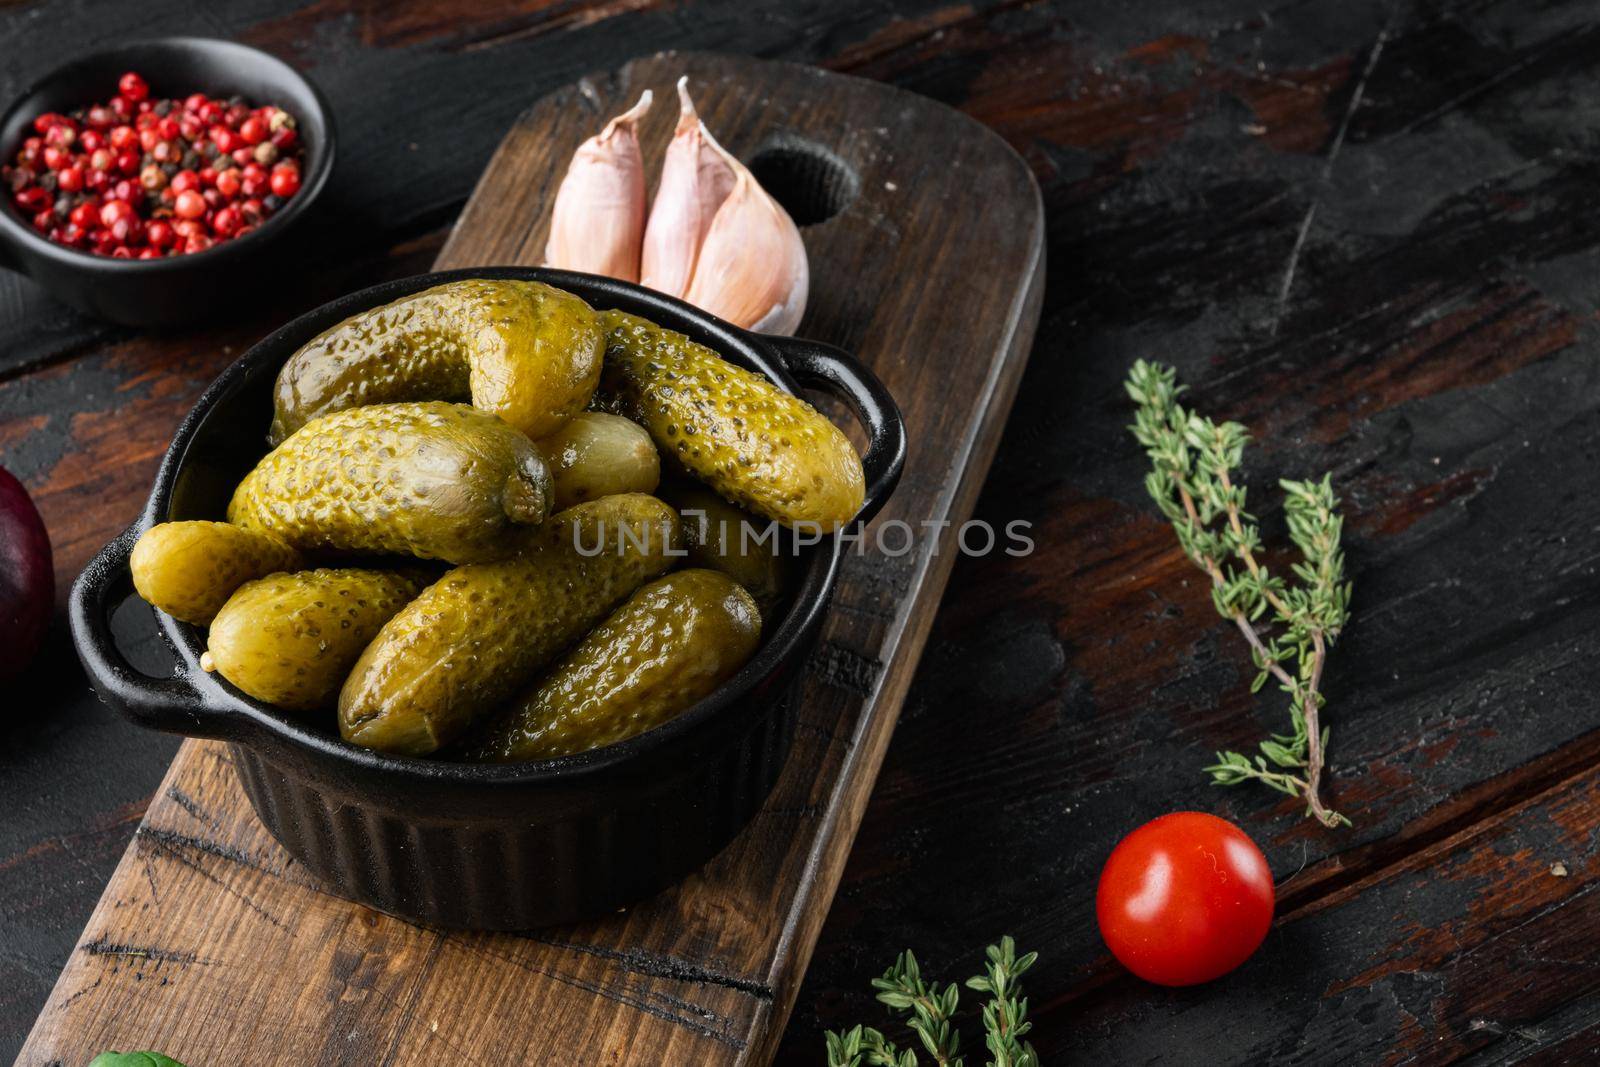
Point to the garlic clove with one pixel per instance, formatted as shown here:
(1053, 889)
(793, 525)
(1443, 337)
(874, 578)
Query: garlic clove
(752, 268)
(695, 180)
(597, 223)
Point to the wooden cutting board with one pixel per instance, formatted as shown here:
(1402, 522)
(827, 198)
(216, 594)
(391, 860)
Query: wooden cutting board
(925, 233)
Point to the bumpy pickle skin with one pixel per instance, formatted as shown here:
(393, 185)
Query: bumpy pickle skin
(725, 538)
(596, 455)
(524, 351)
(763, 449)
(290, 639)
(483, 631)
(190, 569)
(672, 643)
(433, 480)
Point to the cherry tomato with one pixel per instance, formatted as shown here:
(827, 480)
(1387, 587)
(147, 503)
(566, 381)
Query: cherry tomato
(1184, 899)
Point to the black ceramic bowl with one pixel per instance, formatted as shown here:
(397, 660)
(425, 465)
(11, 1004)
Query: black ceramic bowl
(496, 846)
(177, 288)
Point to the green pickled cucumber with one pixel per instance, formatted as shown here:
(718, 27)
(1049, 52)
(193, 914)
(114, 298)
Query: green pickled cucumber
(190, 569)
(672, 643)
(596, 455)
(758, 446)
(731, 540)
(290, 639)
(435, 480)
(524, 351)
(483, 631)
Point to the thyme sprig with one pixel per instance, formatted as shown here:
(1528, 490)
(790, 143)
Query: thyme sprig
(1289, 627)
(929, 1012)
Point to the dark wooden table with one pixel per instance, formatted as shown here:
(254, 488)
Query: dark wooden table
(1366, 229)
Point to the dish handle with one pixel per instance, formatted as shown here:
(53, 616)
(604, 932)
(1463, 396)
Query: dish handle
(838, 372)
(173, 704)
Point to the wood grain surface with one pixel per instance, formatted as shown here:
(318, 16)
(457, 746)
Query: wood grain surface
(939, 295)
(1366, 228)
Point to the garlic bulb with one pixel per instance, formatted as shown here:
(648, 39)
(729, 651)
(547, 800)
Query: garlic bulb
(752, 268)
(695, 180)
(597, 224)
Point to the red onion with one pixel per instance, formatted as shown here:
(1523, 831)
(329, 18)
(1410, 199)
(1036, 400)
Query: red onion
(27, 579)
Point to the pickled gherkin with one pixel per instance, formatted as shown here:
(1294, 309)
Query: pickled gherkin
(671, 644)
(483, 631)
(291, 639)
(597, 455)
(731, 540)
(764, 449)
(435, 480)
(190, 569)
(524, 351)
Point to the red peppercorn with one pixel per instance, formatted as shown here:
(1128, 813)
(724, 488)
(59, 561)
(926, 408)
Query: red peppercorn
(225, 222)
(70, 179)
(153, 178)
(44, 220)
(85, 215)
(123, 108)
(96, 180)
(189, 204)
(121, 252)
(185, 180)
(132, 87)
(207, 175)
(160, 234)
(228, 183)
(169, 129)
(43, 123)
(124, 138)
(128, 162)
(33, 198)
(100, 118)
(128, 231)
(112, 210)
(285, 180)
(197, 243)
(91, 140)
(225, 139)
(195, 101)
(149, 253)
(253, 130)
(56, 158)
(286, 138)
(252, 210)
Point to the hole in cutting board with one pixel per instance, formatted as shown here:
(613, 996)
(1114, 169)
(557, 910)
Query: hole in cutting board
(811, 182)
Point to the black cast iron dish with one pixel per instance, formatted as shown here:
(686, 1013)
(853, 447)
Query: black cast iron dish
(485, 846)
(176, 288)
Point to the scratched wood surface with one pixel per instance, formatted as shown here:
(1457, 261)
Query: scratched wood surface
(705, 973)
(1367, 228)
